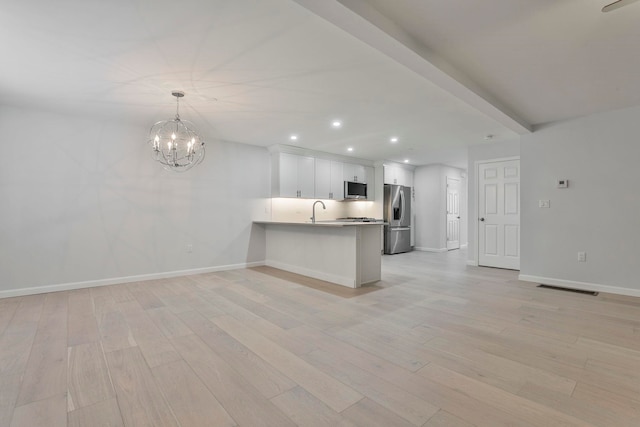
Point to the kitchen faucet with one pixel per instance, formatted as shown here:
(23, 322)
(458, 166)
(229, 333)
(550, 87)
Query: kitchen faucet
(313, 210)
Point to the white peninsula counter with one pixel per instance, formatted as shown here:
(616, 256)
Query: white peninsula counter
(345, 253)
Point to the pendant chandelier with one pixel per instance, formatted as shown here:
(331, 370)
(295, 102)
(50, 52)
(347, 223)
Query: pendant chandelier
(176, 144)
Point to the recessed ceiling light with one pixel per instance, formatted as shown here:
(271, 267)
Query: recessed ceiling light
(394, 139)
(336, 123)
(349, 148)
(406, 160)
(293, 137)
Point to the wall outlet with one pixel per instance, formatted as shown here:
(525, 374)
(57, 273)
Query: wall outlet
(189, 248)
(582, 257)
(544, 203)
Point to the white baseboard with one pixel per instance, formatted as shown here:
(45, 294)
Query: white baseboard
(421, 249)
(118, 280)
(472, 262)
(584, 286)
(321, 275)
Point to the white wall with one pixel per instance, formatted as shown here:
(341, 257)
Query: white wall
(430, 206)
(82, 200)
(476, 153)
(599, 212)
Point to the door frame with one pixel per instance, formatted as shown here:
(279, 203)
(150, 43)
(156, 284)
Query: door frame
(476, 204)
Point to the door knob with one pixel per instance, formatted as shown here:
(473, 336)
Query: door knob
(481, 219)
(458, 217)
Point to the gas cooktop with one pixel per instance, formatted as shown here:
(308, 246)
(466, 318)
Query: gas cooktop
(358, 219)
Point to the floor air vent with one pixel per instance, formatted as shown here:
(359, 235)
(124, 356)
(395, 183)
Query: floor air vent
(578, 291)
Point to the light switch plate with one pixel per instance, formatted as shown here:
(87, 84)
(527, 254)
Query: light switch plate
(544, 203)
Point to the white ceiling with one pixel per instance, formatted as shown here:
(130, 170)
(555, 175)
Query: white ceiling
(440, 75)
(545, 60)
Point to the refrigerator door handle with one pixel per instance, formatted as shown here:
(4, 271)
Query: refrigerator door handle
(402, 205)
(400, 228)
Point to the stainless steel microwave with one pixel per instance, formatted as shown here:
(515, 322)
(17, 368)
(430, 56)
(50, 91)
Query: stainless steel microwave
(355, 190)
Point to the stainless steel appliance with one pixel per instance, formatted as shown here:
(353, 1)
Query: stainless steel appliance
(355, 190)
(397, 213)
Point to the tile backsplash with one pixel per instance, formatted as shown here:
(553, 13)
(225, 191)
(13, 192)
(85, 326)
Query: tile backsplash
(299, 210)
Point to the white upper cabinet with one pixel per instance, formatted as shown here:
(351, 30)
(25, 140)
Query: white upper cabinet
(329, 182)
(296, 176)
(288, 176)
(357, 173)
(337, 180)
(305, 176)
(323, 178)
(398, 175)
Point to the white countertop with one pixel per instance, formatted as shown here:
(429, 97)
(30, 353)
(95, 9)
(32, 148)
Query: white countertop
(332, 223)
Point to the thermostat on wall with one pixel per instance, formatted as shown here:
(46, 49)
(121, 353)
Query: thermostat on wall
(563, 183)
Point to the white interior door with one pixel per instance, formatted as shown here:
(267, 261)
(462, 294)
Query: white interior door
(499, 214)
(453, 213)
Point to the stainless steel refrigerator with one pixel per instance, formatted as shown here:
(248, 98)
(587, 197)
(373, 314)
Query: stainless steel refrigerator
(397, 213)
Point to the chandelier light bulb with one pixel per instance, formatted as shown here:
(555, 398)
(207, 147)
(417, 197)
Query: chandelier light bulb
(185, 148)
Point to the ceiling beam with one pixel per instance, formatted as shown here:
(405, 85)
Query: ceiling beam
(359, 19)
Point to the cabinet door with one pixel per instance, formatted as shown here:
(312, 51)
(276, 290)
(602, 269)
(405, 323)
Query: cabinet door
(353, 172)
(337, 181)
(390, 175)
(368, 175)
(323, 179)
(348, 171)
(370, 179)
(288, 175)
(401, 174)
(306, 177)
(398, 176)
(360, 173)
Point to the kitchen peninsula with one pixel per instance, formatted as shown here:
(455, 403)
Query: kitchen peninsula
(343, 252)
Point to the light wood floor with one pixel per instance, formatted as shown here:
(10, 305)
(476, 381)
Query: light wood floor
(436, 343)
